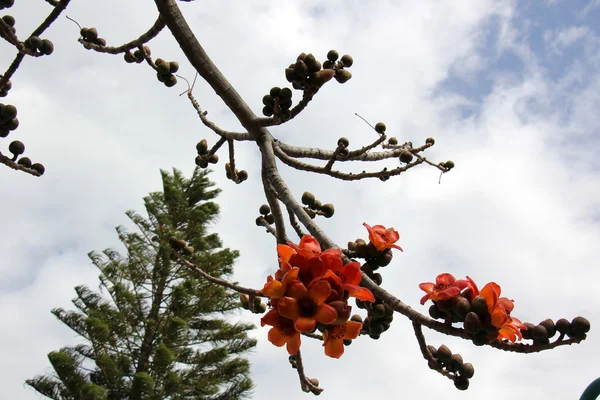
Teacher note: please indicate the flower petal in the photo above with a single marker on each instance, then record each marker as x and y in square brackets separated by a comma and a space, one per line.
[320, 291]
[326, 314]
[303, 324]
[297, 290]
[351, 273]
[271, 318]
[425, 298]
[293, 344]
[285, 252]
[310, 243]
[334, 347]
[360, 293]
[277, 337]
[288, 308]
[273, 289]
[352, 329]
[427, 287]
[445, 279]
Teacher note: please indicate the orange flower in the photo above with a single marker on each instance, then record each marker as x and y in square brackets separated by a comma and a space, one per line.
[306, 307]
[307, 256]
[382, 237]
[445, 287]
[500, 309]
[334, 337]
[349, 276]
[282, 331]
[275, 289]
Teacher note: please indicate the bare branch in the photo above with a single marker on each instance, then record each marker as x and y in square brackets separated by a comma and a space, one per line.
[140, 41]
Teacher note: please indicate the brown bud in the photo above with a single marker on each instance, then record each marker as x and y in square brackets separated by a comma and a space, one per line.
[242, 175]
[479, 306]
[579, 327]
[343, 142]
[342, 75]
[472, 323]
[466, 370]
[189, 250]
[392, 141]
[443, 353]
[449, 164]
[312, 63]
[550, 327]
[213, 159]
[461, 307]
[39, 168]
[385, 258]
[380, 127]
[343, 311]
[300, 68]
[328, 210]
[308, 199]
[406, 156]
[176, 243]
[539, 333]
[435, 312]
[332, 55]
[563, 326]
[356, 318]
[461, 383]
[264, 209]
[430, 141]
[347, 60]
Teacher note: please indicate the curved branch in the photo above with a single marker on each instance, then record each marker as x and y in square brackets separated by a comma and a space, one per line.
[140, 41]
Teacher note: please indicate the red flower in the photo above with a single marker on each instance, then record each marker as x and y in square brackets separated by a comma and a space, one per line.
[382, 237]
[500, 309]
[282, 331]
[307, 256]
[445, 287]
[276, 289]
[306, 307]
[349, 276]
[334, 337]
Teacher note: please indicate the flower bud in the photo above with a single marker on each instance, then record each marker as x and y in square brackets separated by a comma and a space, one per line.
[347, 60]
[539, 333]
[550, 327]
[332, 55]
[308, 199]
[176, 243]
[264, 209]
[343, 311]
[342, 75]
[579, 327]
[466, 370]
[461, 307]
[443, 353]
[430, 141]
[479, 306]
[563, 326]
[461, 383]
[472, 323]
[356, 318]
[380, 127]
[392, 141]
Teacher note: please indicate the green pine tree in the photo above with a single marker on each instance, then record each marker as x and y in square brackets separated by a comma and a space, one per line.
[157, 330]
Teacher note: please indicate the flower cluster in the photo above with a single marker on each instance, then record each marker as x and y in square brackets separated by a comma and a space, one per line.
[310, 291]
[484, 313]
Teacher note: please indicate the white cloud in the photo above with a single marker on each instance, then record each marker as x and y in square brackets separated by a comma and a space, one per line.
[520, 208]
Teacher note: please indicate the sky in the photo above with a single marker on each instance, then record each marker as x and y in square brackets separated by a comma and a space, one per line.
[510, 91]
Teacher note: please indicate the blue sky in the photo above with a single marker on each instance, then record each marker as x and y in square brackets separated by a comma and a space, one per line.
[510, 91]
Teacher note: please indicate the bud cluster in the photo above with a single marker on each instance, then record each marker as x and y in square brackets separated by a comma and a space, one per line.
[137, 56]
[265, 212]
[278, 102]
[460, 371]
[308, 73]
[235, 175]
[40, 46]
[314, 207]
[165, 71]
[203, 158]
[8, 119]
[180, 245]
[90, 35]
[545, 330]
[379, 318]
[258, 307]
